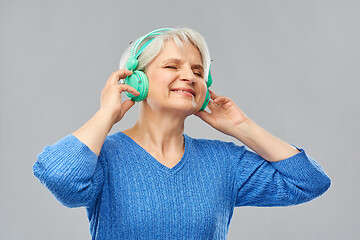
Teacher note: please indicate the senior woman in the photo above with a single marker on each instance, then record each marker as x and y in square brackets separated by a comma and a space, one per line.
[152, 181]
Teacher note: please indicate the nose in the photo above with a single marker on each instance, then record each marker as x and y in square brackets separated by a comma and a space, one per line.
[188, 75]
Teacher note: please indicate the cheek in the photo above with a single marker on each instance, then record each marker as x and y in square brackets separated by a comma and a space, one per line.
[204, 89]
[159, 84]
[160, 79]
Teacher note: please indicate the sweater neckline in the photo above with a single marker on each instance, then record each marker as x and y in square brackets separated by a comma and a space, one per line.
[155, 162]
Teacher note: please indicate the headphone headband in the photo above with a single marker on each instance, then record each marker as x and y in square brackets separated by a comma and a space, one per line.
[157, 32]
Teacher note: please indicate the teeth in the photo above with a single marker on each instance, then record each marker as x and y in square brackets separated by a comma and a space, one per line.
[181, 91]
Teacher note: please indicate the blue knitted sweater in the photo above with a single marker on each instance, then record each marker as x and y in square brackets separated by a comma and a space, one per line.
[128, 194]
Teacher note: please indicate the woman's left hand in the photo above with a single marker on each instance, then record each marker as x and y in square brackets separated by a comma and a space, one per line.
[224, 116]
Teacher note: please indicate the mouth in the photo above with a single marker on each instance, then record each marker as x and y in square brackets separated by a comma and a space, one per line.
[184, 90]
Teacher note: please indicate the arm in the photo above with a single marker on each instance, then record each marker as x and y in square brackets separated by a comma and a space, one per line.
[112, 110]
[291, 181]
[73, 168]
[263, 143]
[286, 175]
[228, 118]
[276, 170]
[71, 172]
[94, 132]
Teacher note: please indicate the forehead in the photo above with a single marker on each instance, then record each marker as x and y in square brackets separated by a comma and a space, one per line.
[185, 52]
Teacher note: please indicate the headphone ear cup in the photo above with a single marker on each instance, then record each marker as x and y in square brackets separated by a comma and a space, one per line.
[140, 82]
[131, 63]
[206, 102]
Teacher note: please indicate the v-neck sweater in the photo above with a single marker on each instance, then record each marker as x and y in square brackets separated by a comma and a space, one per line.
[128, 194]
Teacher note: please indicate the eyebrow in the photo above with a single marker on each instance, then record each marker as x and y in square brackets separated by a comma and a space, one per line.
[176, 60]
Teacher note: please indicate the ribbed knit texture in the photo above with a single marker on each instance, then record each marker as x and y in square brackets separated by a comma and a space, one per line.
[128, 194]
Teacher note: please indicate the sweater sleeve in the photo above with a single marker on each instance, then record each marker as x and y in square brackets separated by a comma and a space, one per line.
[71, 172]
[295, 180]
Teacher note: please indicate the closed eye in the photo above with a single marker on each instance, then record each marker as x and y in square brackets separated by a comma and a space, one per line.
[172, 67]
[198, 74]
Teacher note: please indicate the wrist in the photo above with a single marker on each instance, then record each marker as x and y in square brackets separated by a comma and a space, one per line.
[108, 115]
[245, 130]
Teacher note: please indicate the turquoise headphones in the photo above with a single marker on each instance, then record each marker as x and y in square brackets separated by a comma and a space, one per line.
[139, 80]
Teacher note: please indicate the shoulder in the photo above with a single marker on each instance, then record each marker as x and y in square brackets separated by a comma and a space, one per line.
[116, 138]
[216, 146]
[114, 142]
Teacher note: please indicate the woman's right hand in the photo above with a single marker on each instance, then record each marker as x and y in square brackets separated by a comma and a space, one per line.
[111, 95]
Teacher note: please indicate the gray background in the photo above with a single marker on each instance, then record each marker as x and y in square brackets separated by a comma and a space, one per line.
[291, 66]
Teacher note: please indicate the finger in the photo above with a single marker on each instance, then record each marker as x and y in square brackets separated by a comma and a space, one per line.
[126, 105]
[127, 88]
[212, 106]
[116, 76]
[221, 99]
[213, 95]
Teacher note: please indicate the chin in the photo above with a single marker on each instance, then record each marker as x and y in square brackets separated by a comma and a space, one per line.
[186, 108]
[180, 106]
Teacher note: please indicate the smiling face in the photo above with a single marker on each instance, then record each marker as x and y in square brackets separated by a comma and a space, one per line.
[176, 79]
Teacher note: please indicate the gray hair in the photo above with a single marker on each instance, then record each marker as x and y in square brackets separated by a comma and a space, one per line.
[180, 36]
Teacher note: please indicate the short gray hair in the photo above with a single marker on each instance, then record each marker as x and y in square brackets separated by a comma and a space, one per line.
[180, 36]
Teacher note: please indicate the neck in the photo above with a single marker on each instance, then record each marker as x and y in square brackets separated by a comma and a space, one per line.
[158, 131]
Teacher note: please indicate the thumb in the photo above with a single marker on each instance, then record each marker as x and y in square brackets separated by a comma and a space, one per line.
[126, 105]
